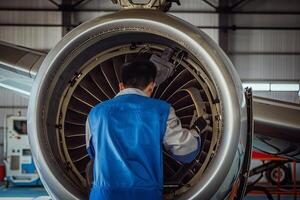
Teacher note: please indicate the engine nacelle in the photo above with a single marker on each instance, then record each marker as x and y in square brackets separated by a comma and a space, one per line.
[84, 69]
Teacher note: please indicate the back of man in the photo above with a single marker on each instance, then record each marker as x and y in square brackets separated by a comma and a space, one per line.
[125, 136]
[128, 132]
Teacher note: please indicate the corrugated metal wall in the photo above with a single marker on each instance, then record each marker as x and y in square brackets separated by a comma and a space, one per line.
[38, 37]
[267, 52]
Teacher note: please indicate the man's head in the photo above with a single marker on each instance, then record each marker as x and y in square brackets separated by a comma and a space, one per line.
[139, 74]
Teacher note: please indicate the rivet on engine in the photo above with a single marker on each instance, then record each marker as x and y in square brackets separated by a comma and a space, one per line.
[59, 126]
[218, 117]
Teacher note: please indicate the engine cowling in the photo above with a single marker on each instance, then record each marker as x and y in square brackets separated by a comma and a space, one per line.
[84, 69]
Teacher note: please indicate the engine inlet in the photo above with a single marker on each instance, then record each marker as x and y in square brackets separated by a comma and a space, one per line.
[84, 70]
[98, 81]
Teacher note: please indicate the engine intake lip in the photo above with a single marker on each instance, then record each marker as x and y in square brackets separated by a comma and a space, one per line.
[49, 80]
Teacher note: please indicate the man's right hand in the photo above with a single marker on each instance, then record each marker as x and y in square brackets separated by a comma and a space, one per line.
[201, 124]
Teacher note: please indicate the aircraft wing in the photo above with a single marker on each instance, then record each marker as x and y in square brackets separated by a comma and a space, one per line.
[18, 67]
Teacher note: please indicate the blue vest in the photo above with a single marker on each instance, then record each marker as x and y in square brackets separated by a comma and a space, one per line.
[127, 134]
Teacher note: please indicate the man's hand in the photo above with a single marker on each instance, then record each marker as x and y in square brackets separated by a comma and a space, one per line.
[201, 124]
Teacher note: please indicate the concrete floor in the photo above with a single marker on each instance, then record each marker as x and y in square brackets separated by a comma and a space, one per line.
[23, 193]
[39, 193]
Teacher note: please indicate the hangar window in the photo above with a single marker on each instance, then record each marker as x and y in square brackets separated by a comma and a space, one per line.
[273, 87]
[257, 86]
[285, 87]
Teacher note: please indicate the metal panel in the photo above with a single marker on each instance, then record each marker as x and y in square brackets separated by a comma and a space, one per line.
[257, 41]
[27, 4]
[267, 67]
[199, 19]
[99, 4]
[266, 20]
[202, 20]
[271, 5]
[9, 98]
[30, 17]
[33, 37]
[194, 5]
[85, 16]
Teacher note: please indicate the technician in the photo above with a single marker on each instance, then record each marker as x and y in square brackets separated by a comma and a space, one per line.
[126, 135]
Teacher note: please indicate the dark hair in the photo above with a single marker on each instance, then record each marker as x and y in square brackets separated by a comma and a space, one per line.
[138, 74]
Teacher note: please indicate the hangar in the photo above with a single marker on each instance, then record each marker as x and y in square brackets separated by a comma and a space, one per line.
[236, 62]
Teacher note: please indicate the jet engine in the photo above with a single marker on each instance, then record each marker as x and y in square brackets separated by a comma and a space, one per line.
[84, 70]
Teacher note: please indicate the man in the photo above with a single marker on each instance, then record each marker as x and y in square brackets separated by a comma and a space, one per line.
[125, 137]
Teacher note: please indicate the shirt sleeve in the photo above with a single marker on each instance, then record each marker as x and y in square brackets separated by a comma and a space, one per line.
[88, 139]
[182, 144]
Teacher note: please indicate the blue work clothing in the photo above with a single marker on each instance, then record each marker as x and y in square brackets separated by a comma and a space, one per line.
[125, 140]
